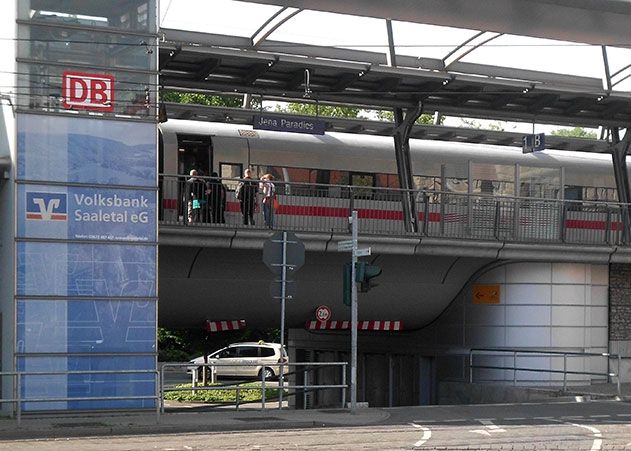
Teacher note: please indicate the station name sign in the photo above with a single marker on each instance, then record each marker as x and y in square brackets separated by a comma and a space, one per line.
[289, 124]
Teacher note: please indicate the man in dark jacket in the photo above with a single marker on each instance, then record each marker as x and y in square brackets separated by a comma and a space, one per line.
[216, 199]
[246, 193]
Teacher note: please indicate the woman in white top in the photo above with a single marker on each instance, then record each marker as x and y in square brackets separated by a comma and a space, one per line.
[269, 190]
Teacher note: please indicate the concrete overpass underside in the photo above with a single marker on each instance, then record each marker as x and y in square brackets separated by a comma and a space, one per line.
[202, 283]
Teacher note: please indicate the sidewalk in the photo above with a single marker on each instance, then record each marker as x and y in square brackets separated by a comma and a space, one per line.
[183, 420]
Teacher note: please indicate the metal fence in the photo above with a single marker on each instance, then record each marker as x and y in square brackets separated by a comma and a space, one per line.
[326, 208]
[511, 359]
[20, 400]
[305, 369]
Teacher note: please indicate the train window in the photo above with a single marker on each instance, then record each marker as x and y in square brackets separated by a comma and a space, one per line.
[230, 171]
[339, 178]
[543, 183]
[493, 179]
[362, 180]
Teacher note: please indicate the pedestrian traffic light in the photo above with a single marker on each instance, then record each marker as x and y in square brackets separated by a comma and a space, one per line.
[364, 273]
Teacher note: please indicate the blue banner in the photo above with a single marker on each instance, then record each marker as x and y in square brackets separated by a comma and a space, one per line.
[60, 269]
[71, 149]
[79, 213]
[141, 384]
[86, 326]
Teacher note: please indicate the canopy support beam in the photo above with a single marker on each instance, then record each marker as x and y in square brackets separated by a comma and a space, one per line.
[619, 151]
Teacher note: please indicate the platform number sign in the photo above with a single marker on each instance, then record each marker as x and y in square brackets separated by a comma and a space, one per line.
[533, 143]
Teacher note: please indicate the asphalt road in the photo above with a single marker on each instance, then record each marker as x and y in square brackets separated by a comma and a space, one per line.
[597, 425]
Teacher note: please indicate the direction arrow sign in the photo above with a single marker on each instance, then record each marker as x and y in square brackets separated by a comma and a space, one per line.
[363, 252]
[346, 245]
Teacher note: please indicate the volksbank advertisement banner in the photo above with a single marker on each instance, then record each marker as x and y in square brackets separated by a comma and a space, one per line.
[62, 149]
[89, 304]
[79, 213]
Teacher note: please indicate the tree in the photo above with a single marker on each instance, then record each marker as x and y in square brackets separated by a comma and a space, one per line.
[424, 119]
[310, 109]
[206, 99]
[576, 132]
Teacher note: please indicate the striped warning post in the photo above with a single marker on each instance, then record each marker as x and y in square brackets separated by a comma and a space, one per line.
[222, 326]
[361, 325]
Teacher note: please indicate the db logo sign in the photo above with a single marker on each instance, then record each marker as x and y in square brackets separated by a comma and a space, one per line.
[88, 91]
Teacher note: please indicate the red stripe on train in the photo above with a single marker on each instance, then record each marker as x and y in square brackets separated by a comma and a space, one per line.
[395, 215]
[591, 224]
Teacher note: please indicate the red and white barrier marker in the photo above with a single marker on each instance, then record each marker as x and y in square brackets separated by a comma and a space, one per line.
[361, 325]
[222, 326]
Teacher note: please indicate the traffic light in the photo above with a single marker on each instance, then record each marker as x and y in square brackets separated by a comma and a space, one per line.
[364, 273]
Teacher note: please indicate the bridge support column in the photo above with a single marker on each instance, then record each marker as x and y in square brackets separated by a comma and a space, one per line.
[404, 165]
[619, 152]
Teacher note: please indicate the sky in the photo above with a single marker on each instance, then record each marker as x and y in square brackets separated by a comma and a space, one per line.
[313, 27]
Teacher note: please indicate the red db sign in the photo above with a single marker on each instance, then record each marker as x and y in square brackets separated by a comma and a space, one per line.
[88, 91]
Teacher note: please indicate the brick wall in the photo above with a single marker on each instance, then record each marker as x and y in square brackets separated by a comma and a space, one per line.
[619, 301]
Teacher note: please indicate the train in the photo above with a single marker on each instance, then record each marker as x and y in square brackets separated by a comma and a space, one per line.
[365, 160]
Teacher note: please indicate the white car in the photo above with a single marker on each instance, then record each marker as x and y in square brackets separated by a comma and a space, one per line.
[263, 357]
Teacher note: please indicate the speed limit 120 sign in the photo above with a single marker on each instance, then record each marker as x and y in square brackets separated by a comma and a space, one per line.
[323, 313]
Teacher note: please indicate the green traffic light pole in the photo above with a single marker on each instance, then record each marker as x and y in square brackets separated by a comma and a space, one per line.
[353, 220]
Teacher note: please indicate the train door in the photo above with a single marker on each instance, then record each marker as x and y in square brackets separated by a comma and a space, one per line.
[193, 152]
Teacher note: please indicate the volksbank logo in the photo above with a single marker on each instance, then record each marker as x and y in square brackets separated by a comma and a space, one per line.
[46, 206]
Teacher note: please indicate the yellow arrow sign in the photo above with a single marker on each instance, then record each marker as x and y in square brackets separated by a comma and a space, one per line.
[486, 294]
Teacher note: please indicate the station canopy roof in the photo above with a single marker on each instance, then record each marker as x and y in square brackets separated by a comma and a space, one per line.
[285, 53]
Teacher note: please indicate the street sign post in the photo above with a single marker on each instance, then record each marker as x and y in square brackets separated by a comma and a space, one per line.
[351, 245]
[281, 253]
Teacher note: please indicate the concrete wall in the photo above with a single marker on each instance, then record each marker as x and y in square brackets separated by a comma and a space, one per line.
[7, 149]
[620, 316]
[550, 306]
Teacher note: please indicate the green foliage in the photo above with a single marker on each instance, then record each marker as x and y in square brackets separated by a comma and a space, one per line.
[310, 109]
[202, 99]
[172, 346]
[576, 132]
[221, 395]
[424, 119]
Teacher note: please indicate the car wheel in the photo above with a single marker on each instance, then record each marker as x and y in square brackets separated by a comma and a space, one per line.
[266, 372]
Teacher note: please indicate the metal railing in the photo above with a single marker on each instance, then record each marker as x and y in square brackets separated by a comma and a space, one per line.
[326, 208]
[292, 389]
[17, 398]
[515, 353]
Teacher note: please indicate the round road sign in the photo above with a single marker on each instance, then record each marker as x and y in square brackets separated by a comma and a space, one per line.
[323, 313]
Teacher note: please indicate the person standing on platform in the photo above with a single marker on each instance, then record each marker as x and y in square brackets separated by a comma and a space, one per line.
[269, 191]
[246, 194]
[195, 188]
[216, 199]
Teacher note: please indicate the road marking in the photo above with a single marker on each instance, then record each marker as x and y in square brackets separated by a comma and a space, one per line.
[598, 441]
[624, 414]
[599, 416]
[427, 434]
[489, 427]
[515, 419]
